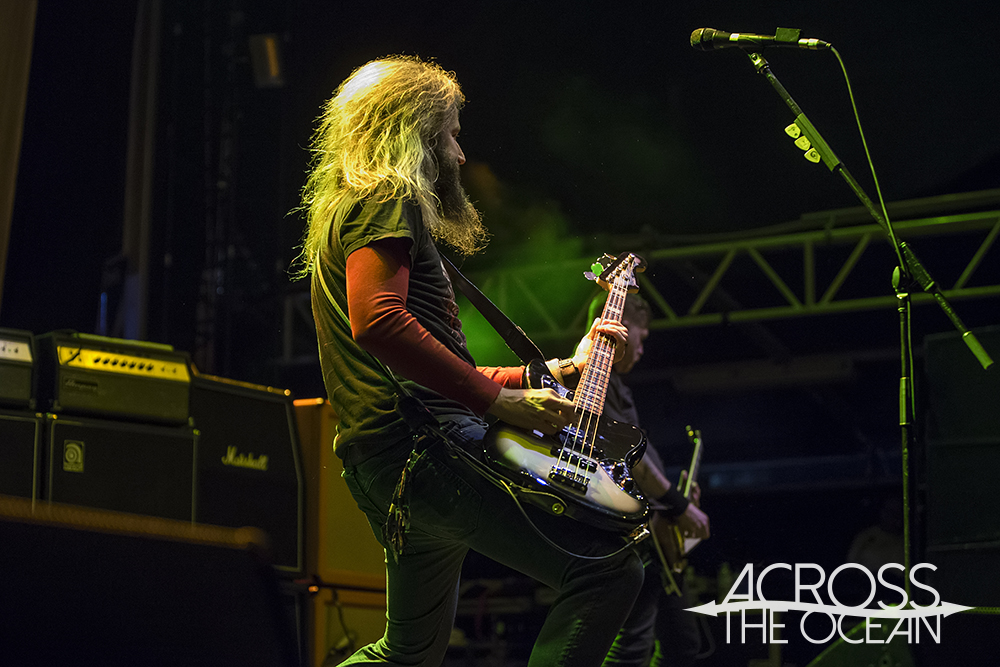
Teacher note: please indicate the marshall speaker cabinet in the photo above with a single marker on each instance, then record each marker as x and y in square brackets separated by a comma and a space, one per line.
[84, 374]
[249, 470]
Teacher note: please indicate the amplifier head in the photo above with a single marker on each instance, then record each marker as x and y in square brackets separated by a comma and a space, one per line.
[17, 368]
[84, 374]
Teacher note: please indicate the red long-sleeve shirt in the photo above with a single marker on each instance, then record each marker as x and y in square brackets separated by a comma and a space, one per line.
[377, 284]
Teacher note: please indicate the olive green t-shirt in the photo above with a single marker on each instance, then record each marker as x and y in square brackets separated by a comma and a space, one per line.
[362, 397]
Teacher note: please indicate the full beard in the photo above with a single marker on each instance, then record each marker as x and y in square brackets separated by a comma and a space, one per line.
[460, 225]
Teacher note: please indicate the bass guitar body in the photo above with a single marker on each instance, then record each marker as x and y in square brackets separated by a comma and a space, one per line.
[582, 472]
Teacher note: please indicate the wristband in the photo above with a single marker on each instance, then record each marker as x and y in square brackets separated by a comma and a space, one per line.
[574, 377]
[568, 363]
[674, 503]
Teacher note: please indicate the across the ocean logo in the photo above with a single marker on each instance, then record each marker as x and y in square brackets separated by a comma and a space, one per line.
[895, 609]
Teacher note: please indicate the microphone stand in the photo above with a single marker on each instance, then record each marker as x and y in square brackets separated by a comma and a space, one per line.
[908, 275]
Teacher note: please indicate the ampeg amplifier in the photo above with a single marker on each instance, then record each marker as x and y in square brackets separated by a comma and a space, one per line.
[85, 374]
[17, 368]
[120, 466]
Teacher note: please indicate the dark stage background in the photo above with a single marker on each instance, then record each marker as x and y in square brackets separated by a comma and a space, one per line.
[602, 117]
[583, 121]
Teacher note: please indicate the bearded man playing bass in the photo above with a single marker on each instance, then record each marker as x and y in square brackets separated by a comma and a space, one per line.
[383, 191]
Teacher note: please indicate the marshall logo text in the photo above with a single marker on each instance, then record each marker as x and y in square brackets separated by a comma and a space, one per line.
[244, 460]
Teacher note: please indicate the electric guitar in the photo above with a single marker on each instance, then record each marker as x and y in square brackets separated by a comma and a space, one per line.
[673, 550]
[584, 470]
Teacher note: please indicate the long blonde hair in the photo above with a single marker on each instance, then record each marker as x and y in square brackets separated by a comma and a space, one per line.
[376, 140]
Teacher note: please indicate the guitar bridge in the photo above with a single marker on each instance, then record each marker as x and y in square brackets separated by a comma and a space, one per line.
[574, 480]
[573, 470]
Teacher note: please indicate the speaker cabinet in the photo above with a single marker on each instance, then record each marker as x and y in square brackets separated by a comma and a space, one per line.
[966, 573]
[854, 651]
[961, 459]
[342, 550]
[249, 470]
[961, 396]
[120, 466]
[960, 507]
[20, 453]
[88, 587]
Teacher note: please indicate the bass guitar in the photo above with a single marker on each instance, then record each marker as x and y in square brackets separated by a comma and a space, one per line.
[584, 470]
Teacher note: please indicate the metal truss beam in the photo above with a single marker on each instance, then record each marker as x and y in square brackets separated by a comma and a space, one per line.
[801, 293]
[751, 280]
[694, 285]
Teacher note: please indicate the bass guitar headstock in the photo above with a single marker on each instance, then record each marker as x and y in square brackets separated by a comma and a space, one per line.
[609, 269]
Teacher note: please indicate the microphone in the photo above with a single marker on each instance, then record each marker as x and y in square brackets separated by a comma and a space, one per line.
[709, 39]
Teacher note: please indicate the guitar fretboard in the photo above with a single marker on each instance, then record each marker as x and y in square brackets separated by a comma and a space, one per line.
[593, 386]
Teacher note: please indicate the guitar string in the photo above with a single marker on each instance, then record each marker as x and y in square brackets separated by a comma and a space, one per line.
[600, 363]
[594, 392]
[605, 352]
[586, 404]
[565, 461]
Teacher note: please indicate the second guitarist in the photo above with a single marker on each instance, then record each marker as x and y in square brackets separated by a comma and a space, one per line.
[658, 631]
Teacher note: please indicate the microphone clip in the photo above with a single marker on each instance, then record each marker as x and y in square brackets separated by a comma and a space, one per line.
[789, 36]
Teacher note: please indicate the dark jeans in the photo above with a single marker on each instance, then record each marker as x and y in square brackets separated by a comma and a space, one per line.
[454, 509]
[659, 632]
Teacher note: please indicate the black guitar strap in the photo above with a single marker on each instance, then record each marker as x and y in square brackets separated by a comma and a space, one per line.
[512, 335]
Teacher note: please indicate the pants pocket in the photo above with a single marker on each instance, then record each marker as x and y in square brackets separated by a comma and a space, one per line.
[372, 492]
[442, 503]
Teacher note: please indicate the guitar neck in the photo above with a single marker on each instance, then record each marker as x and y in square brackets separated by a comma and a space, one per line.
[593, 386]
[695, 438]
